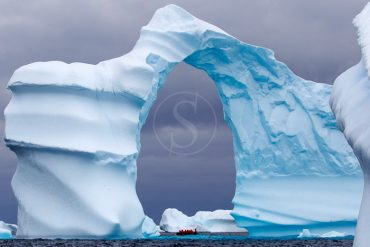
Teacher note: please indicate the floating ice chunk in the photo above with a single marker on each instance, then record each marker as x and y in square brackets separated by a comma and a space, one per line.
[333, 234]
[306, 233]
[174, 220]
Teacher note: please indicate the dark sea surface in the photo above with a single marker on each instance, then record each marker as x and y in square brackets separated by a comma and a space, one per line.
[179, 241]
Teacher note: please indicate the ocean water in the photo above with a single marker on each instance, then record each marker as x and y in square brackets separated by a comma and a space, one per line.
[179, 241]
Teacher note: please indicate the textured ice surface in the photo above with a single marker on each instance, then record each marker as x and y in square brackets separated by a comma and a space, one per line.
[76, 131]
[174, 220]
[350, 102]
[362, 21]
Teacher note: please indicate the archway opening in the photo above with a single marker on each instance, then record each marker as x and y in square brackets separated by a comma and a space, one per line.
[186, 159]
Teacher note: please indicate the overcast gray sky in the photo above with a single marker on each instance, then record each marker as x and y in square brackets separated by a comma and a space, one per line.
[314, 37]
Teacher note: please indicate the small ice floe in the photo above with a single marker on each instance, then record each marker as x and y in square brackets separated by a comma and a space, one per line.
[306, 233]
[333, 234]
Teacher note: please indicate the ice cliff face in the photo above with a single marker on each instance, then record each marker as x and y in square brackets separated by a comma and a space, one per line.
[350, 102]
[76, 131]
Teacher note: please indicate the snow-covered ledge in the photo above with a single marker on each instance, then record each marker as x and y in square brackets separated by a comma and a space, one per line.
[350, 102]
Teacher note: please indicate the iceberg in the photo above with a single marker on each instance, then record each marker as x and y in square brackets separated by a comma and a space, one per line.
[350, 102]
[306, 234]
[75, 129]
[174, 220]
[7, 230]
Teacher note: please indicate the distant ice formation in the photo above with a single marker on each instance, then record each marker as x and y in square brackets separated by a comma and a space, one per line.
[7, 230]
[174, 220]
[332, 234]
[75, 129]
[350, 102]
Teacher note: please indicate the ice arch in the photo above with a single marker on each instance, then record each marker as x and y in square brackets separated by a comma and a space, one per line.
[75, 129]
